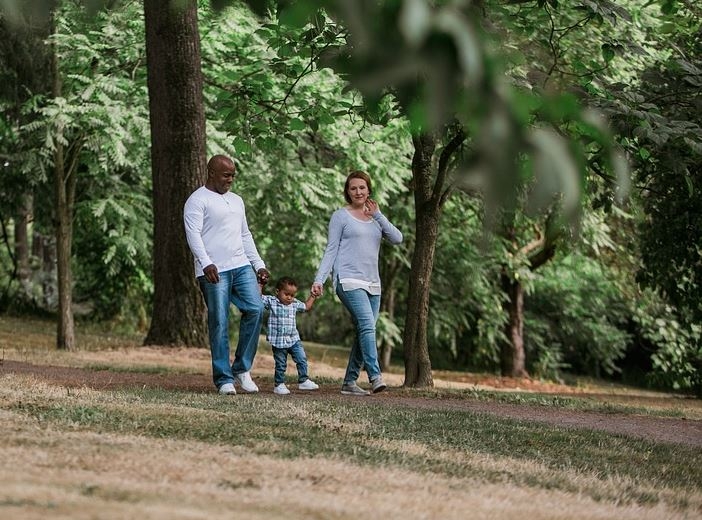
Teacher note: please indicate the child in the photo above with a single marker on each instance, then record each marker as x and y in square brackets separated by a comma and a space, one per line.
[283, 335]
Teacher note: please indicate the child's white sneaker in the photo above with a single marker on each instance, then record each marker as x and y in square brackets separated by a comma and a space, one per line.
[308, 385]
[227, 389]
[281, 389]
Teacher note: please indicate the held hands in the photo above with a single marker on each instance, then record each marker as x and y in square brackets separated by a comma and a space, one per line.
[316, 290]
[262, 275]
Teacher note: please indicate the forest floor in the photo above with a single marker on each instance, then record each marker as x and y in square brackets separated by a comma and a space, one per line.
[686, 429]
[115, 430]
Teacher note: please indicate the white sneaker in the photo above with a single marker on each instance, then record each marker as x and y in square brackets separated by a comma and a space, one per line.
[227, 389]
[246, 383]
[308, 385]
[281, 389]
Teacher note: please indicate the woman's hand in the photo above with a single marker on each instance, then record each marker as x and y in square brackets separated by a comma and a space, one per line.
[370, 207]
[316, 290]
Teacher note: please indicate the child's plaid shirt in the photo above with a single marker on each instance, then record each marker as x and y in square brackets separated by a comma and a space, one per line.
[282, 327]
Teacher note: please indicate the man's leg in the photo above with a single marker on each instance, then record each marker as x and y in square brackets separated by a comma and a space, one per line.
[246, 296]
[217, 300]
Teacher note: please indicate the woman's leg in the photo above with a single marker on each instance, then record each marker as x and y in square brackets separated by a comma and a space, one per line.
[364, 309]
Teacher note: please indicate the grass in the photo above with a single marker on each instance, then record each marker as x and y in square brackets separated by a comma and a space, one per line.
[151, 453]
[448, 443]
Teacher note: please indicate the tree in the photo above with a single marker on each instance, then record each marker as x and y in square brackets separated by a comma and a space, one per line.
[65, 163]
[25, 72]
[428, 62]
[84, 134]
[178, 162]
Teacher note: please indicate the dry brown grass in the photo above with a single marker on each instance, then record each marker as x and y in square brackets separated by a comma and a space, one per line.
[59, 469]
[50, 472]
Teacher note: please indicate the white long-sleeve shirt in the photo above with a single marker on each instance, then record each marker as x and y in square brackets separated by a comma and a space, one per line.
[352, 249]
[217, 231]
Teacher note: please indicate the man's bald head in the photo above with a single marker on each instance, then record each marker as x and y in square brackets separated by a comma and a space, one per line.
[220, 163]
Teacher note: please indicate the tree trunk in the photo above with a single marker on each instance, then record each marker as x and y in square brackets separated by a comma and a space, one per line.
[64, 190]
[24, 216]
[178, 163]
[388, 306]
[414, 339]
[512, 357]
[45, 250]
[417, 362]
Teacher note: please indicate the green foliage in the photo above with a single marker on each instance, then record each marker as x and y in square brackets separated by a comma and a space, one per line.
[677, 360]
[101, 119]
[576, 317]
[466, 317]
[294, 131]
[658, 118]
[297, 128]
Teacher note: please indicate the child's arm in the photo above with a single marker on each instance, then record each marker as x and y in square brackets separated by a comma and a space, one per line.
[309, 302]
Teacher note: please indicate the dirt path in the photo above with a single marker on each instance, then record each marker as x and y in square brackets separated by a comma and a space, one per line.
[657, 429]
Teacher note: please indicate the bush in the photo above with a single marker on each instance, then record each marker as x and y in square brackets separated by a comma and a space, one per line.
[677, 340]
[575, 317]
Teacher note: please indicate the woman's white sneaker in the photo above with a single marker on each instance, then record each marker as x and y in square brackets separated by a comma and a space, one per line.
[308, 384]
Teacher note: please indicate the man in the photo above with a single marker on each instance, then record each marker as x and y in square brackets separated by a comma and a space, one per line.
[225, 252]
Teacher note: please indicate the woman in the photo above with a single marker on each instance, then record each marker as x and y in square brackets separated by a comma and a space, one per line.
[353, 244]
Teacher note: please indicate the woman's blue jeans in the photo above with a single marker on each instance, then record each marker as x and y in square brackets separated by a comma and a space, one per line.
[364, 308]
[237, 286]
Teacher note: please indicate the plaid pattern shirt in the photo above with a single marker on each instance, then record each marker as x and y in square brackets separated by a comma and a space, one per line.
[282, 327]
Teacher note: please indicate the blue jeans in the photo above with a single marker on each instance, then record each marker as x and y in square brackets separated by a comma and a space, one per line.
[297, 353]
[237, 286]
[364, 308]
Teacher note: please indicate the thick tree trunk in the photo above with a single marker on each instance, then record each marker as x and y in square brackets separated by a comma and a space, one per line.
[414, 339]
[512, 356]
[417, 362]
[178, 162]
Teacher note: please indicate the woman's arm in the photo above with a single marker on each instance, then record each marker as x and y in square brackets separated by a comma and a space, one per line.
[334, 233]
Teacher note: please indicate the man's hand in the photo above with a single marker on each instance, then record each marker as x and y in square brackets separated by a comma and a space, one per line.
[211, 273]
[317, 290]
[262, 275]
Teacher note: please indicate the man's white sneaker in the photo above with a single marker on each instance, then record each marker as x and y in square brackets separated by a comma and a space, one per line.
[308, 384]
[246, 383]
[281, 389]
[227, 389]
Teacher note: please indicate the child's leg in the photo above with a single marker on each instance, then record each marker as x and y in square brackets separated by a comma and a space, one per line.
[280, 356]
[297, 353]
